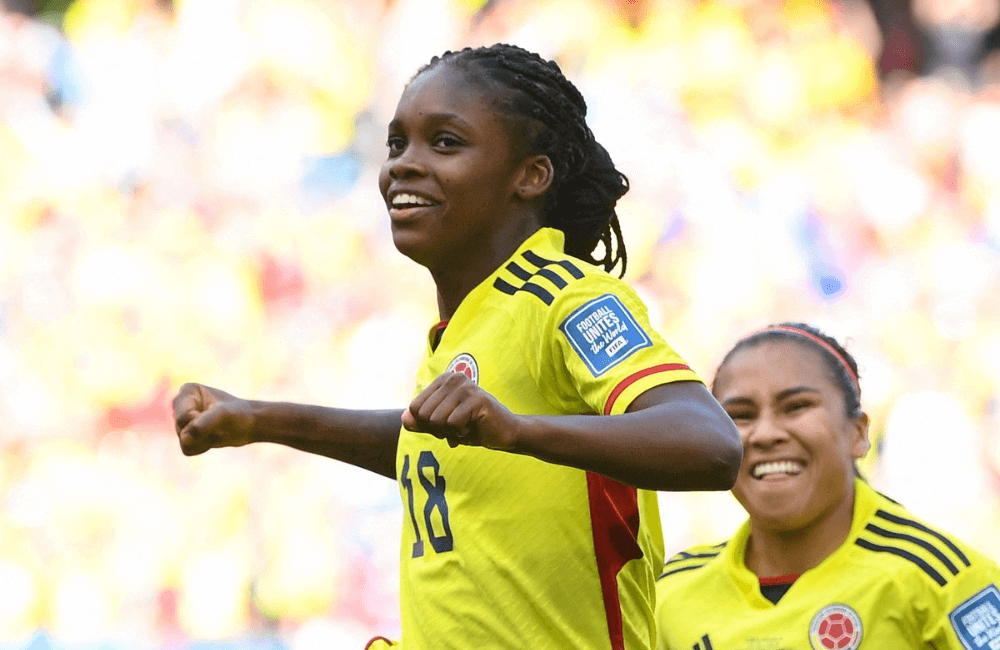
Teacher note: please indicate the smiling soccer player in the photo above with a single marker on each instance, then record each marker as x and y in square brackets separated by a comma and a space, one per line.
[824, 561]
[528, 522]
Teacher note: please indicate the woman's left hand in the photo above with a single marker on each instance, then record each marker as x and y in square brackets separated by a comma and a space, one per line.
[455, 409]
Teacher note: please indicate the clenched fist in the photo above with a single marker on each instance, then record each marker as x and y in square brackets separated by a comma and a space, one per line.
[455, 409]
[207, 417]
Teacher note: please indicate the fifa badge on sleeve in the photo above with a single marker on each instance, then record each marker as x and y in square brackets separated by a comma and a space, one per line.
[603, 333]
[977, 621]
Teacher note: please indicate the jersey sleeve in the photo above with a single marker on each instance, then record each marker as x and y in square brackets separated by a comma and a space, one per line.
[967, 615]
[600, 349]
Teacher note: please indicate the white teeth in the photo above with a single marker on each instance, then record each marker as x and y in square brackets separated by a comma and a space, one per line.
[403, 199]
[777, 467]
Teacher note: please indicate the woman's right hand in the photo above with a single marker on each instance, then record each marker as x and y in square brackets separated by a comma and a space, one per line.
[206, 417]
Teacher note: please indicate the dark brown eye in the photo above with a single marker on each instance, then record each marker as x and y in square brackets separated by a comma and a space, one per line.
[798, 405]
[447, 141]
[395, 145]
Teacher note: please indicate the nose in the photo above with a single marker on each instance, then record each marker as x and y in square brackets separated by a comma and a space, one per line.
[764, 432]
[407, 163]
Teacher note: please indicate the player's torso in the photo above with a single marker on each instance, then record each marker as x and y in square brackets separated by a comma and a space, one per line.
[894, 583]
[832, 614]
[505, 551]
[498, 549]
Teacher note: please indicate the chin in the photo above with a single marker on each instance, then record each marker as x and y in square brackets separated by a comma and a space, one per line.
[777, 514]
[412, 245]
[780, 522]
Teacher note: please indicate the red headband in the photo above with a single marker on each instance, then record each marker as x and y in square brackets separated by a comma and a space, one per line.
[826, 346]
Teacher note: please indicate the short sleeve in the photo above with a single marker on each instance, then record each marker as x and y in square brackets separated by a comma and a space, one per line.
[600, 349]
[969, 616]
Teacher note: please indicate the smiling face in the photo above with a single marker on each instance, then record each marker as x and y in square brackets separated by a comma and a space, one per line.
[799, 443]
[450, 183]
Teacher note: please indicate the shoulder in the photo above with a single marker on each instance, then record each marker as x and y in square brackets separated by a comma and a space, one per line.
[540, 275]
[545, 287]
[689, 563]
[951, 588]
[907, 546]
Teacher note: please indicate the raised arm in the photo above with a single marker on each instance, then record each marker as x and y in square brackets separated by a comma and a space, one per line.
[206, 418]
[673, 437]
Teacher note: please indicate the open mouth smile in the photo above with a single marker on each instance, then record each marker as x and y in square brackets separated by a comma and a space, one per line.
[403, 205]
[776, 469]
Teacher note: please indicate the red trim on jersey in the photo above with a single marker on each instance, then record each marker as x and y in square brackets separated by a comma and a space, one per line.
[434, 336]
[787, 579]
[614, 518]
[379, 638]
[631, 379]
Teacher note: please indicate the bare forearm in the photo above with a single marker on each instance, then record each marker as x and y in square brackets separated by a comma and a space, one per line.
[685, 444]
[367, 439]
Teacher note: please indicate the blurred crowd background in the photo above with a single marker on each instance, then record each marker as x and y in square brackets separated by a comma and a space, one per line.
[188, 193]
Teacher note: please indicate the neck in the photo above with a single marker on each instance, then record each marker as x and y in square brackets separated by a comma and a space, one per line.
[457, 277]
[773, 552]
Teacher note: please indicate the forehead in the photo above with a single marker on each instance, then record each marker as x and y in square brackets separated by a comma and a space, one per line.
[771, 367]
[447, 90]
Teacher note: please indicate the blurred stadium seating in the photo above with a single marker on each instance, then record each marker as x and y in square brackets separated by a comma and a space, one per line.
[187, 193]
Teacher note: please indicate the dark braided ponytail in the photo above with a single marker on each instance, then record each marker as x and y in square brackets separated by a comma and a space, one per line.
[546, 115]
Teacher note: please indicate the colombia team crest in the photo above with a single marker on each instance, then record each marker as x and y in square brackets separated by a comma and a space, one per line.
[835, 627]
[466, 364]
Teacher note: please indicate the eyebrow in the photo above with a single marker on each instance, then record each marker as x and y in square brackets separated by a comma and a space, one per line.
[797, 389]
[788, 392]
[434, 118]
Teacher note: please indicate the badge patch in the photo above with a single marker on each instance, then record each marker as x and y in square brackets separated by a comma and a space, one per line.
[835, 627]
[603, 332]
[466, 364]
[977, 620]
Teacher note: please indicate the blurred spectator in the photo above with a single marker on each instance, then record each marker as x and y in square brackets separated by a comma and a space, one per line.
[924, 36]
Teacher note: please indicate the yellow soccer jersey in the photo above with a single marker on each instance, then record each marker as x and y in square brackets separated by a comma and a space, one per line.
[505, 551]
[895, 584]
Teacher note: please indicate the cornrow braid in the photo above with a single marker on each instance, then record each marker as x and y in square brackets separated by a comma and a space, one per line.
[546, 114]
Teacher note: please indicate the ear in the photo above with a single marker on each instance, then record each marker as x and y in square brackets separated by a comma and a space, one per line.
[534, 177]
[860, 444]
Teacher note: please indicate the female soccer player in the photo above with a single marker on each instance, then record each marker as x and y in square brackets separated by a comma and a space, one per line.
[825, 561]
[528, 522]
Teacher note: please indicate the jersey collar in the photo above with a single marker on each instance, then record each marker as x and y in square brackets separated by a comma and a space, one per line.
[865, 504]
[544, 240]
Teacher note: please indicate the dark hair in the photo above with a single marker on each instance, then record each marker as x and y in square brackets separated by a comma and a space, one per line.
[839, 362]
[547, 112]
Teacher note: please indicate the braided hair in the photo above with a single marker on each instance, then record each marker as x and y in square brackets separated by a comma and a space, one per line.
[839, 363]
[545, 114]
